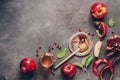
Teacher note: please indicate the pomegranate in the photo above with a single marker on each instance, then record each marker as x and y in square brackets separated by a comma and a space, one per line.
[113, 44]
[101, 28]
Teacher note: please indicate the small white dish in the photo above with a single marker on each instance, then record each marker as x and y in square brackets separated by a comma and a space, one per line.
[84, 53]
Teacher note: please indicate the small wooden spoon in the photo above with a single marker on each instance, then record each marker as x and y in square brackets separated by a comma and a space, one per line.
[67, 58]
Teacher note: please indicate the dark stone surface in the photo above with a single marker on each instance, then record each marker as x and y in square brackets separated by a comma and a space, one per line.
[26, 24]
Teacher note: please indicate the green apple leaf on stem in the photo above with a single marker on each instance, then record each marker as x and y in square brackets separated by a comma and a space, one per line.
[84, 59]
[87, 60]
[78, 64]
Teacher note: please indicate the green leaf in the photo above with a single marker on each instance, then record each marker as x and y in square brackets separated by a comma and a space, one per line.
[84, 60]
[88, 61]
[78, 64]
[61, 53]
[111, 22]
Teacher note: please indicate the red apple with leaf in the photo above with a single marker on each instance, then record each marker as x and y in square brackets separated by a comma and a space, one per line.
[98, 10]
[28, 65]
[68, 70]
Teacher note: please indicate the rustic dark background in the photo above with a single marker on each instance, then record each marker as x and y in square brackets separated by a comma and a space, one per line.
[26, 24]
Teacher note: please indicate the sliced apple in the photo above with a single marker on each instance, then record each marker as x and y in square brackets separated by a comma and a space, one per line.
[97, 48]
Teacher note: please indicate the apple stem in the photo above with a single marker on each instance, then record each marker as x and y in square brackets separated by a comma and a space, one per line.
[84, 69]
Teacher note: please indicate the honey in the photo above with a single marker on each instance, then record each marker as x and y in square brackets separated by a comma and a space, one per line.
[46, 61]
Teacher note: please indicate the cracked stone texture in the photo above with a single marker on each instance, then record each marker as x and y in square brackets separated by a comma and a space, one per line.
[27, 24]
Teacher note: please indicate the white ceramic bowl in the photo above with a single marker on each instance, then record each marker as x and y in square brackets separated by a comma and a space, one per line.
[89, 42]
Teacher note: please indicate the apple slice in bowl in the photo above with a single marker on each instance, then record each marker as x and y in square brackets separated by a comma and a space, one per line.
[80, 40]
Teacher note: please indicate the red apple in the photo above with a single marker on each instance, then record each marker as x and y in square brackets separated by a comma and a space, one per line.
[98, 10]
[68, 70]
[27, 65]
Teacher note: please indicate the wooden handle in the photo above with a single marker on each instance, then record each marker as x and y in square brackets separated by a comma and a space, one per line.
[67, 58]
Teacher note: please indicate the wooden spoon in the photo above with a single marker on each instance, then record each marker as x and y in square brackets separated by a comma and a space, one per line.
[67, 58]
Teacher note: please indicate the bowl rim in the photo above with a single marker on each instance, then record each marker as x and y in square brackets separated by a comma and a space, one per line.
[81, 53]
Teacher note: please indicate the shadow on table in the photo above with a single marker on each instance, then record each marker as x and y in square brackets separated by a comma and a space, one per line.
[66, 78]
[26, 76]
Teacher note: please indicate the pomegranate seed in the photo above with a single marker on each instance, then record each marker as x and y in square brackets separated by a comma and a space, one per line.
[49, 50]
[53, 72]
[52, 47]
[37, 51]
[89, 33]
[58, 46]
[37, 55]
[112, 32]
[92, 34]
[55, 43]
[40, 47]
[82, 36]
